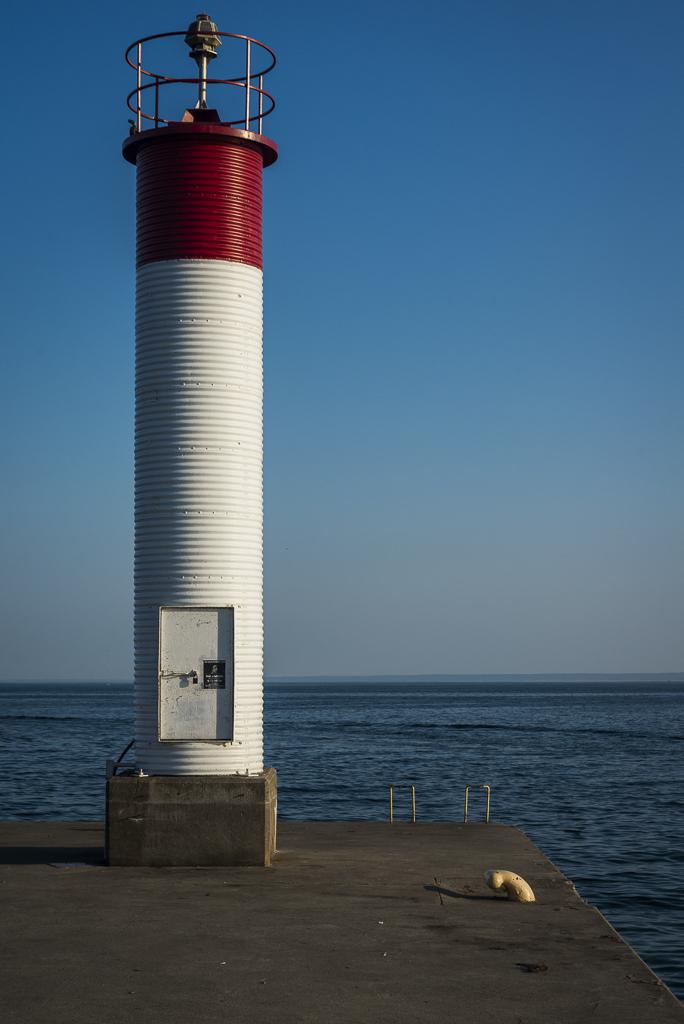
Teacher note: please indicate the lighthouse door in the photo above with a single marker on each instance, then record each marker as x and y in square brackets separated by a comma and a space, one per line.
[196, 674]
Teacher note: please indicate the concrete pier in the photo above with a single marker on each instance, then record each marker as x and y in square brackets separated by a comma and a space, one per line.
[354, 922]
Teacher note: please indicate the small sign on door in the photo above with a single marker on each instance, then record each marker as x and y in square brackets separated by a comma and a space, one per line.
[214, 675]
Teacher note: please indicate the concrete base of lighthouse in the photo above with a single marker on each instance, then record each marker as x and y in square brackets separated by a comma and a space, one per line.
[191, 820]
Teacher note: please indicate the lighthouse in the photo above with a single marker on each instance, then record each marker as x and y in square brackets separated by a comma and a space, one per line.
[201, 794]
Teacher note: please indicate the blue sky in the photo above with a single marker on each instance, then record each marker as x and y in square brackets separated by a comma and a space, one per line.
[473, 338]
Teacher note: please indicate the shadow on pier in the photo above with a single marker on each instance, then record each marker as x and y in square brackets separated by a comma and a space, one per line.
[87, 849]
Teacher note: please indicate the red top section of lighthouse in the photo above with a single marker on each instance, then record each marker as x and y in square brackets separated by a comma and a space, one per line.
[199, 197]
[199, 176]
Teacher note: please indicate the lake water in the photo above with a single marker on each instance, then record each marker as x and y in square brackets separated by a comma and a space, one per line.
[591, 771]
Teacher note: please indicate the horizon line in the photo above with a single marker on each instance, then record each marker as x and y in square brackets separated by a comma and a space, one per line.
[677, 676]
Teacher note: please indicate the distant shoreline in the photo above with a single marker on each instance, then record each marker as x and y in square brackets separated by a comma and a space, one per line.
[475, 678]
[539, 677]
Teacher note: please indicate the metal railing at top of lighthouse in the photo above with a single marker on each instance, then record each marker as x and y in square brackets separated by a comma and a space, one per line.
[258, 102]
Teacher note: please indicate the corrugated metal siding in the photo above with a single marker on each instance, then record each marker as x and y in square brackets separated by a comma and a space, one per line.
[198, 487]
[199, 198]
